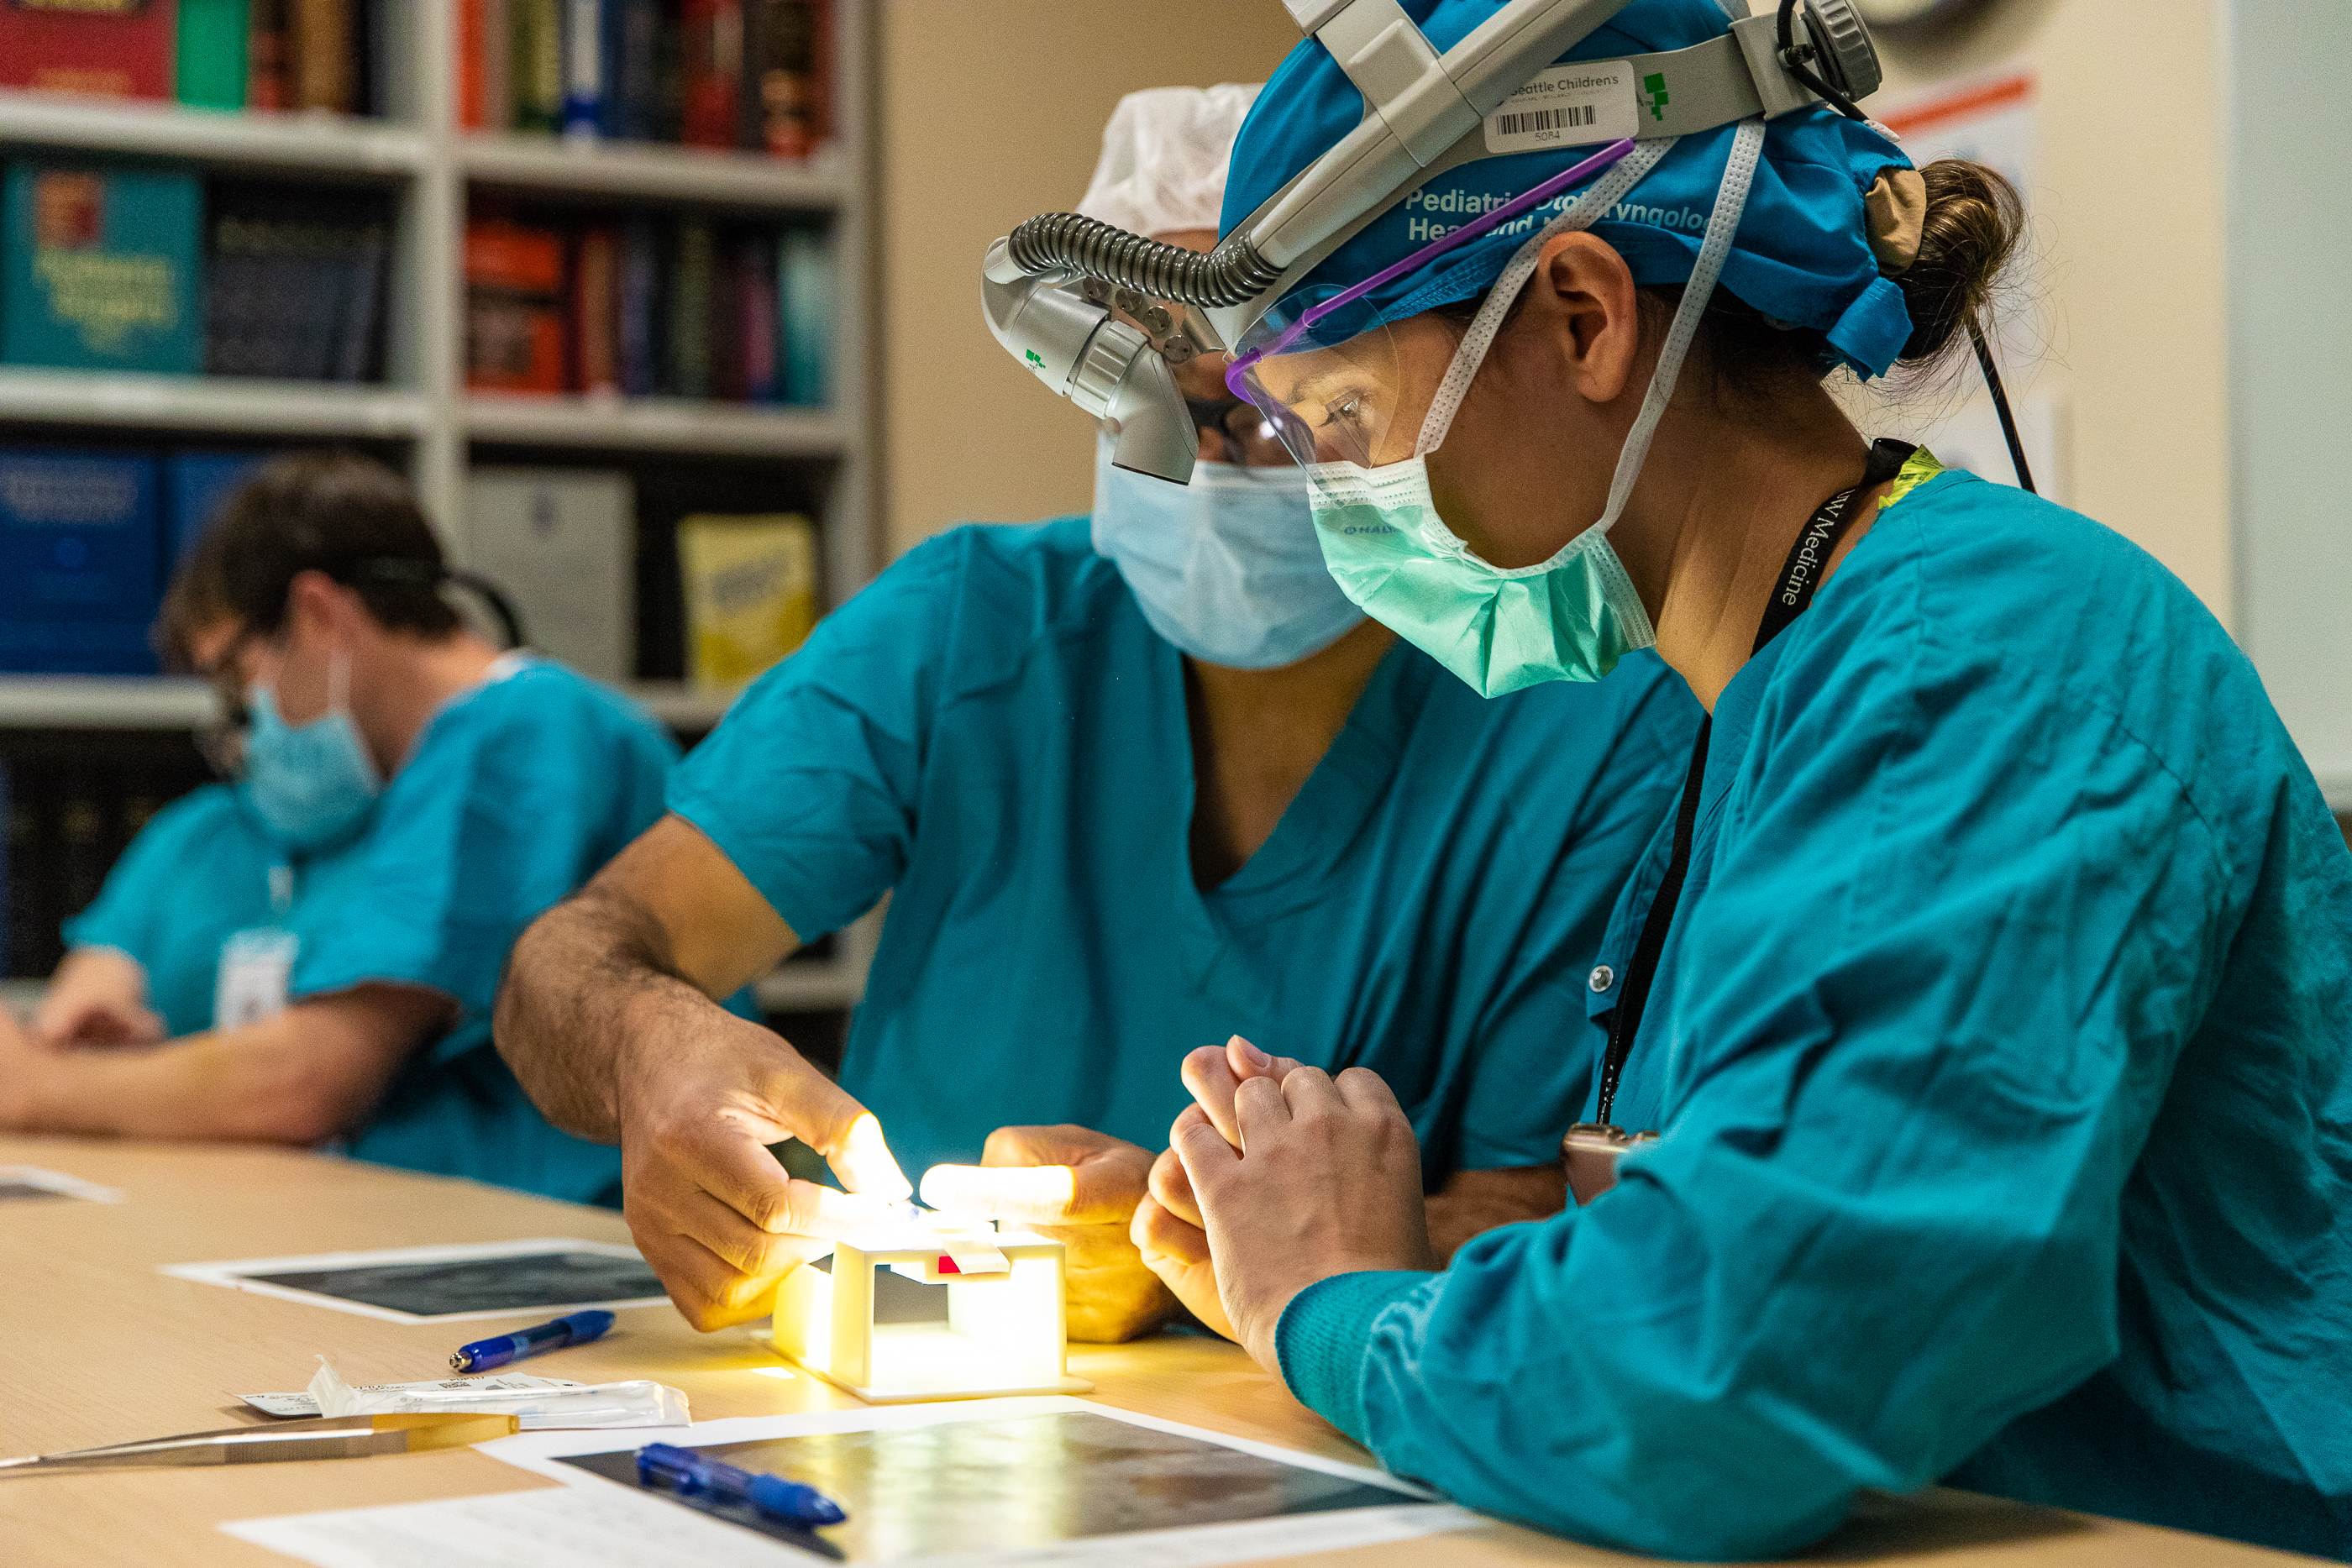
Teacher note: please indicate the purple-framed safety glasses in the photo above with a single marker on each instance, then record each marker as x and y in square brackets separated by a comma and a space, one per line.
[1236, 373]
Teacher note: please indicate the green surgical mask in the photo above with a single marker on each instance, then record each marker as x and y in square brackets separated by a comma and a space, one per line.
[1570, 618]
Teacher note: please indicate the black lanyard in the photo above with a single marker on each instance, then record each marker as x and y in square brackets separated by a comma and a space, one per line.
[1801, 577]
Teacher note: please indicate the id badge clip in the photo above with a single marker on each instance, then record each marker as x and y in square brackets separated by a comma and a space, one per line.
[1590, 1151]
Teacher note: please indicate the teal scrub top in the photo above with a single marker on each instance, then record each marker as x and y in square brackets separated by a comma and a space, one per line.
[515, 793]
[992, 732]
[1999, 1054]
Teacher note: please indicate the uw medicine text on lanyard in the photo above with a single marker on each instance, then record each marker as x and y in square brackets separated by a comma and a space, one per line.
[1591, 1148]
[256, 964]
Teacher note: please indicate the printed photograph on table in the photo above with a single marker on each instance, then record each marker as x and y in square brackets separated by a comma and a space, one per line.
[447, 1284]
[1048, 1479]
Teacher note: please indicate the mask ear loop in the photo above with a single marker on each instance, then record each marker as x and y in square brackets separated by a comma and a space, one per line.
[1722, 224]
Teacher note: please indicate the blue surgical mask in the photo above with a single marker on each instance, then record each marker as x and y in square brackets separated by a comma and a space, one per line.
[313, 784]
[1226, 568]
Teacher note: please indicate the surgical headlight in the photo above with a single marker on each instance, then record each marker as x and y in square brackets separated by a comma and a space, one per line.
[1426, 113]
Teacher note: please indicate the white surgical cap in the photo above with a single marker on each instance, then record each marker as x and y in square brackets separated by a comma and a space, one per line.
[1163, 157]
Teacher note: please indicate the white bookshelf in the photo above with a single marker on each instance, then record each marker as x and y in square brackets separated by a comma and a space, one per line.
[424, 407]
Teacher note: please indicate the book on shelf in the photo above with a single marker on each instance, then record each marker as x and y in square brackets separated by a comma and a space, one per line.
[632, 60]
[754, 313]
[535, 64]
[750, 590]
[322, 44]
[753, 74]
[296, 281]
[636, 305]
[268, 55]
[693, 282]
[584, 68]
[806, 304]
[485, 37]
[561, 543]
[209, 70]
[515, 307]
[80, 551]
[109, 48]
[712, 63]
[99, 267]
[595, 309]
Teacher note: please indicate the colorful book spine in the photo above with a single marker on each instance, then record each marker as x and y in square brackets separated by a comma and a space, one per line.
[514, 307]
[535, 64]
[107, 49]
[267, 56]
[756, 327]
[322, 55]
[712, 72]
[693, 282]
[632, 53]
[595, 314]
[584, 68]
[99, 268]
[806, 315]
[209, 70]
[469, 41]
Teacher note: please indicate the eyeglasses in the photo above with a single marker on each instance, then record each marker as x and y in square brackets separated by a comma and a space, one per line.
[222, 743]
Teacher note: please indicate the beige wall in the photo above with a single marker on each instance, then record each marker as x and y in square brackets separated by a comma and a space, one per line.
[992, 111]
[2129, 213]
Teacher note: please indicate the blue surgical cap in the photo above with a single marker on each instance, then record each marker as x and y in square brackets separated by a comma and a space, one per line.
[1802, 254]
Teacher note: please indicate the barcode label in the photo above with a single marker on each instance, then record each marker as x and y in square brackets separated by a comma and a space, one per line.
[1565, 106]
[1570, 117]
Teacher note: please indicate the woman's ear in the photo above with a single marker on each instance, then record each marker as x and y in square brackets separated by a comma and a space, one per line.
[1582, 299]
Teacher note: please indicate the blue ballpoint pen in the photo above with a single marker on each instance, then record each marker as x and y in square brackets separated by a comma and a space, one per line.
[578, 1328]
[690, 1474]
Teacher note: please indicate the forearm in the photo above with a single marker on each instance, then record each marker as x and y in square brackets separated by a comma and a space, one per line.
[588, 978]
[300, 1078]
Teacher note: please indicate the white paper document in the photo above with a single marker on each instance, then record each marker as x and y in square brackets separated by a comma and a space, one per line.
[1012, 1483]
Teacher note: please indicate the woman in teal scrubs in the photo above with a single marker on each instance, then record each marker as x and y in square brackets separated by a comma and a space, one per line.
[1131, 782]
[310, 955]
[1975, 1036]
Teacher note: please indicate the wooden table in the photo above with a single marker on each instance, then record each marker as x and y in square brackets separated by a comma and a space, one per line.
[96, 1346]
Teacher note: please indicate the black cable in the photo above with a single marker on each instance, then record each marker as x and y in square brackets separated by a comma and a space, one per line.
[2001, 407]
[500, 606]
[1797, 60]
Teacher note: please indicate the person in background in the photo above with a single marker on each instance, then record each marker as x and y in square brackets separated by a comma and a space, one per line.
[1134, 782]
[1977, 1103]
[309, 954]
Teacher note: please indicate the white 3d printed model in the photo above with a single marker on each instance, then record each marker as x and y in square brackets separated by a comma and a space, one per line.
[1004, 1332]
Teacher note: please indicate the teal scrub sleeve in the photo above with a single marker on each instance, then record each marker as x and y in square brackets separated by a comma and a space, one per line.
[809, 785]
[1924, 1012]
[513, 797]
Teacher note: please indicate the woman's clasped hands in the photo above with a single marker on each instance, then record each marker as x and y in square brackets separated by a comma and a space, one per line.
[1276, 1177]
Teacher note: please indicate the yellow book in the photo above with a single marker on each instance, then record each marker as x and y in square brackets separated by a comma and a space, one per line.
[750, 592]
